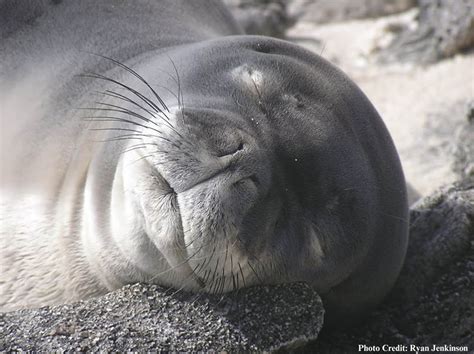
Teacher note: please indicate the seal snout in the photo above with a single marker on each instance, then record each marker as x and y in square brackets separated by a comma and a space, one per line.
[206, 148]
[219, 174]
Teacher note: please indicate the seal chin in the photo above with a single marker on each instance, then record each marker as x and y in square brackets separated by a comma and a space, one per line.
[212, 213]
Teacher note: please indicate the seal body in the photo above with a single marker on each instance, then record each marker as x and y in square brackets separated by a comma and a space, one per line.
[151, 141]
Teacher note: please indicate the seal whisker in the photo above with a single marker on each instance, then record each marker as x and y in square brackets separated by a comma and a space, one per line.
[119, 96]
[170, 142]
[177, 265]
[116, 139]
[168, 90]
[137, 134]
[144, 157]
[117, 119]
[168, 74]
[209, 260]
[133, 148]
[232, 272]
[234, 284]
[138, 76]
[261, 265]
[205, 276]
[117, 129]
[138, 146]
[130, 137]
[207, 244]
[250, 253]
[180, 94]
[406, 221]
[213, 286]
[197, 278]
[207, 273]
[237, 279]
[242, 274]
[254, 272]
[197, 297]
[135, 92]
[127, 99]
[121, 110]
[223, 267]
[144, 136]
[124, 110]
[260, 99]
[215, 269]
[119, 138]
[221, 284]
[285, 267]
[192, 276]
[201, 265]
[194, 239]
[214, 281]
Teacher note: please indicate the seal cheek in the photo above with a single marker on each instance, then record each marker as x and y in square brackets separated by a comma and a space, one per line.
[246, 189]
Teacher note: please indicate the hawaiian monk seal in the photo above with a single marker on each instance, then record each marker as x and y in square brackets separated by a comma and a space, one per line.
[151, 141]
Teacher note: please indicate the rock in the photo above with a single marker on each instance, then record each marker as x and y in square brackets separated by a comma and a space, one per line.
[323, 11]
[440, 151]
[444, 28]
[433, 300]
[263, 17]
[463, 164]
[441, 231]
[432, 156]
[412, 194]
[147, 317]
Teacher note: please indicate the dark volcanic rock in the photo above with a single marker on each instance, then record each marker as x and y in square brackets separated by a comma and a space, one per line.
[441, 232]
[263, 17]
[324, 11]
[147, 317]
[464, 151]
[433, 300]
[445, 27]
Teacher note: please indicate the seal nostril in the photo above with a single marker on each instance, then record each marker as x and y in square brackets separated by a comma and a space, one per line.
[240, 147]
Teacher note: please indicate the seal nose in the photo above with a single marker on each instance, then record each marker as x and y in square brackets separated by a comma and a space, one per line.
[232, 157]
[233, 162]
[210, 150]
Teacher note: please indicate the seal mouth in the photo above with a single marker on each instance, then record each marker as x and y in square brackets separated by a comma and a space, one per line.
[167, 186]
[204, 273]
[169, 191]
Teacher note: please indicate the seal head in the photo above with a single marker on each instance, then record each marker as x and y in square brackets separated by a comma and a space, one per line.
[270, 166]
